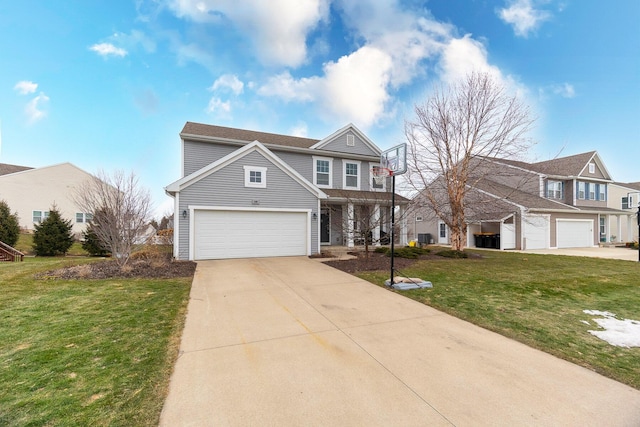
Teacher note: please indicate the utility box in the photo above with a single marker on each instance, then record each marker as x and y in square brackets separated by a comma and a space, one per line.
[424, 238]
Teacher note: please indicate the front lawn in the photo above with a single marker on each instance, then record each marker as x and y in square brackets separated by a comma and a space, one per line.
[538, 300]
[86, 352]
[25, 245]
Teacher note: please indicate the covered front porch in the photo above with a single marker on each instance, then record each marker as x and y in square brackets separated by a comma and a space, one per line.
[362, 221]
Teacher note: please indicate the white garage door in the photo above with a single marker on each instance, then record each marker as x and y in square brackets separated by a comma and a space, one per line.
[222, 234]
[536, 232]
[574, 234]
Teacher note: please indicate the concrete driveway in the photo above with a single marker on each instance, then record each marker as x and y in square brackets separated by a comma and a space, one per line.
[291, 341]
[610, 253]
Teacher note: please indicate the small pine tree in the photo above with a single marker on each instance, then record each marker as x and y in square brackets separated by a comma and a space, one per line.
[53, 236]
[92, 243]
[9, 225]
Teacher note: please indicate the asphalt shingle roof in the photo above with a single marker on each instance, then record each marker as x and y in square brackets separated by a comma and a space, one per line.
[6, 169]
[212, 131]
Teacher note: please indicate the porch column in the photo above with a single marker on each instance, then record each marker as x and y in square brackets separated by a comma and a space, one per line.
[350, 219]
[619, 232]
[403, 226]
[376, 223]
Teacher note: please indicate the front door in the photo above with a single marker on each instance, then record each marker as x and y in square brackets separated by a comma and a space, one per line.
[325, 227]
[442, 233]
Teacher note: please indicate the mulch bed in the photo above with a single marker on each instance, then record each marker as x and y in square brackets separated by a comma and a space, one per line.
[374, 262]
[141, 269]
[380, 262]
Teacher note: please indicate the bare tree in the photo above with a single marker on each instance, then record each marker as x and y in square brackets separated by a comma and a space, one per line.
[451, 133]
[364, 219]
[121, 210]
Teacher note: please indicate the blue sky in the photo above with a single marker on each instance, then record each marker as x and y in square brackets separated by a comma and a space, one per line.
[109, 85]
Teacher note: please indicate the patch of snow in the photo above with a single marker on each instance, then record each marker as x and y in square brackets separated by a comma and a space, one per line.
[620, 333]
[585, 322]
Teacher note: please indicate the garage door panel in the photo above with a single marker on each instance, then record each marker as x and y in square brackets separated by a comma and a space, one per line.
[574, 234]
[222, 234]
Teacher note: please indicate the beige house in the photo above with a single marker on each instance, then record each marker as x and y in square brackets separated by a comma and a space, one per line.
[31, 192]
[625, 196]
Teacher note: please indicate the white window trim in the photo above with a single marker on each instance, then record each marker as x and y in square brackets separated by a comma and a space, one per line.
[592, 168]
[263, 176]
[582, 188]
[384, 183]
[43, 215]
[351, 140]
[344, 174]
[315, 171]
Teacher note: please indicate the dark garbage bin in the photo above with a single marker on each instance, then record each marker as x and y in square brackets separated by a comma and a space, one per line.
[497, 241]
[479, 240]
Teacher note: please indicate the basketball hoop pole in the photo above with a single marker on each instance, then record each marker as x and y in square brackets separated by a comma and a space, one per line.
[393, 221]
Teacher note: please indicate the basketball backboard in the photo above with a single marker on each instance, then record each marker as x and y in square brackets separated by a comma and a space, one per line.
[395, 159]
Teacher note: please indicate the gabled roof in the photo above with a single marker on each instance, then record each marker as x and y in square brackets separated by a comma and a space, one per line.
[570, 166]
[632, 185]
[522, 198]
[6, 169]
[196, 176]
[348, 128]
[242, 135]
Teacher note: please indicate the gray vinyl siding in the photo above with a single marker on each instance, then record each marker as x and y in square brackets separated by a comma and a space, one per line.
[340, 145]
[225, 187]
[200, 154]
[301, 163]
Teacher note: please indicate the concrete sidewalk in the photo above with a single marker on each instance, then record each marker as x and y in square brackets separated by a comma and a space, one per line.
[290, 341]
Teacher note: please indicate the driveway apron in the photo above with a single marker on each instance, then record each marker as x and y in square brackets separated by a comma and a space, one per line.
[291, 341]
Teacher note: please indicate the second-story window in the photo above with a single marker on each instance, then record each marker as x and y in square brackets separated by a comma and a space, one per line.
[322, 172]
[554, 190]
[592, 191]
[351, 175]
[602, 192]
[582, 192]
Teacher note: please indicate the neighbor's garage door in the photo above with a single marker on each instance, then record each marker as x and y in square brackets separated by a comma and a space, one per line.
[536, 231]
[575, 234]
[249, 234]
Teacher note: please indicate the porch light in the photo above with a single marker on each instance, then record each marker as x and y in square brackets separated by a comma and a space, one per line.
[184, 214]
[314, 216]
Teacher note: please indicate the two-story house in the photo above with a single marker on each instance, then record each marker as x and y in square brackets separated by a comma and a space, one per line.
[254, 194]
[31, 192]
[560, 203]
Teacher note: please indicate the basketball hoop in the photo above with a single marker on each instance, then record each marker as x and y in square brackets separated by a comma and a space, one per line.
[380, 174]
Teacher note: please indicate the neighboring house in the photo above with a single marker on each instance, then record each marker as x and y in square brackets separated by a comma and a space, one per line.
[31, 192]
[254, 194]
[625, 196]
[560, 203]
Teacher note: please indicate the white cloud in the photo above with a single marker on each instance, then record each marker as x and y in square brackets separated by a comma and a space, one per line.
[218, 107]
[228, 81]
[565, 90]
[132, 40]
[25, 87]
[34, 108]
[523, 16]
[352, 89]
[300, 130]
[108, 49]
[277, 28]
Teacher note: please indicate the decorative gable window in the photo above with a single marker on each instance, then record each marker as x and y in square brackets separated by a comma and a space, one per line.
[554, 190]
[592, 168]
[255, 176]
[322, 171]
[351, 140]
[351, 175]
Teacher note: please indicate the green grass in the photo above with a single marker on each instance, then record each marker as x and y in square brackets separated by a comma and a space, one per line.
[538, 300]
[25, 245]
[86, 352]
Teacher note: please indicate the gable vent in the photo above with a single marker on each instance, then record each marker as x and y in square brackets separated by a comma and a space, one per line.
[351, 141]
